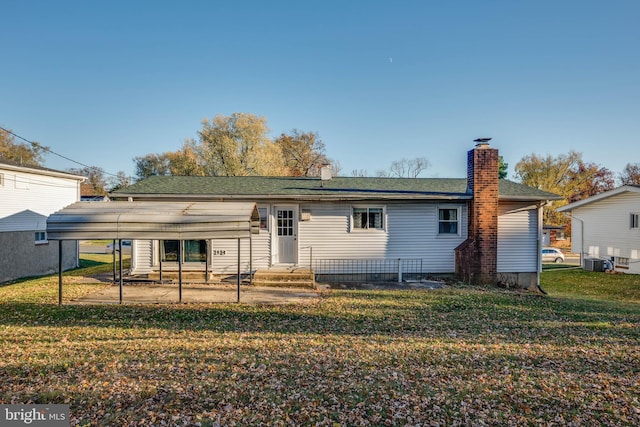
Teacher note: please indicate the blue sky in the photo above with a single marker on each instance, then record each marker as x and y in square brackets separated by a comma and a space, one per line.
[104, 81]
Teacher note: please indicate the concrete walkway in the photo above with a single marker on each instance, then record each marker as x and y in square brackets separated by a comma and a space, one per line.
[196, 293]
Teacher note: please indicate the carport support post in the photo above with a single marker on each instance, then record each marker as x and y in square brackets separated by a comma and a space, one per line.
[206, 262]
[113, 252]
[238, 300]
[120, 267]
[59, 272]
[180, 270]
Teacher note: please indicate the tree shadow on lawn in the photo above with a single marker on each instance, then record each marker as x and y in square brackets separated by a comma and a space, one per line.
[473, 316]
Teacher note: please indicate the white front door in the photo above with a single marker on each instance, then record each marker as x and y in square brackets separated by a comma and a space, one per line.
[286, 234]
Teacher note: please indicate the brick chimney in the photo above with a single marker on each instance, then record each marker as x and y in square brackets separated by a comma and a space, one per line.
[477, 257]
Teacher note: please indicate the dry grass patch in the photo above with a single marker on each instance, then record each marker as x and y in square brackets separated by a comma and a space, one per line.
[445, 357]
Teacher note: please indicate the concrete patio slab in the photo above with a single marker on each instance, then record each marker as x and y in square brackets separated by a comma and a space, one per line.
[195, 293]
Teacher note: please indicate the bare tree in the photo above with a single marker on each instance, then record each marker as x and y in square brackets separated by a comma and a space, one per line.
[408, 168]
[121, 180]
[95, 183]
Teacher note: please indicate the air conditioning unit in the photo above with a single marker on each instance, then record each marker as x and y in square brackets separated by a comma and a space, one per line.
[593, 264]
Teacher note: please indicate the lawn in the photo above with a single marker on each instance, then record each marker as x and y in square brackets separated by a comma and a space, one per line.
[458, 355]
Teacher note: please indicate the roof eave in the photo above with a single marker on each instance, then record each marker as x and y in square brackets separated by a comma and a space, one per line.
[42, 171]
[301, 197]
[527, 198]
[598, 197]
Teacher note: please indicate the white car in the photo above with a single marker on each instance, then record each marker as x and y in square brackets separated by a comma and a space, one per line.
[126, 247]
[552, 255]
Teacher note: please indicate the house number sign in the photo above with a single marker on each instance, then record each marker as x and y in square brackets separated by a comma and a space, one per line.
[219, 252]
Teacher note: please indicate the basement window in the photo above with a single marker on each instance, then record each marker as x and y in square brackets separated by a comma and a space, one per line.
[368, 218]
[449, 221]
[41, 237]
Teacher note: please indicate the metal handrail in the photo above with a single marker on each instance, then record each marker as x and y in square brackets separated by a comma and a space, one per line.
[310, 255]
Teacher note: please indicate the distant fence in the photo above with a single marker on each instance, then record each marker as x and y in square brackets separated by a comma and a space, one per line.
[369, 270]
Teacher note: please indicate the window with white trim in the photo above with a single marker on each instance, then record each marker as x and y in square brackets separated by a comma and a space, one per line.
[368, 217]
[634, 220]
[264, 218]
[40, 237]
[192, 250]
[449, 221]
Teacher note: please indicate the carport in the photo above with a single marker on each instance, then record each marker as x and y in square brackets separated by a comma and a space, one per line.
[153, 221]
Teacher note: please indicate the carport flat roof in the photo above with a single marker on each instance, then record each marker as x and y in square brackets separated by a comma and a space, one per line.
[154, 220]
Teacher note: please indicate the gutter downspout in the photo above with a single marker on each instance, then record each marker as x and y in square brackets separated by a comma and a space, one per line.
[539, 245]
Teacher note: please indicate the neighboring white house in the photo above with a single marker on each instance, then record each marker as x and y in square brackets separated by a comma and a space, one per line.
[607, 226]
[369, 228]
[28, 195]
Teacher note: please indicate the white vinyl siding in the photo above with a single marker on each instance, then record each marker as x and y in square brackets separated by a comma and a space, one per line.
[329, 235]
[142, 256]
[411, 232]
[224, 252]
[415, 233]
[224, 258]
[28, 199]
[607, 231]
[517, 239]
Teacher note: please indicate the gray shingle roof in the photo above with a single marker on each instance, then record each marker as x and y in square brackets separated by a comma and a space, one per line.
[313, 188]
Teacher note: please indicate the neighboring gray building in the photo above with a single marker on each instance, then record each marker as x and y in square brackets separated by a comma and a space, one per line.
[369, 228]
[607, 227]
[28, 195]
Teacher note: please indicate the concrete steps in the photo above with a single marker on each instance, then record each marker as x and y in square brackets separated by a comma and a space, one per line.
[287, 278]
[284, 278]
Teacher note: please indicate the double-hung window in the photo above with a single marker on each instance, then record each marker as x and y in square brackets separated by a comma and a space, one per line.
[368, 218]
[449, 221]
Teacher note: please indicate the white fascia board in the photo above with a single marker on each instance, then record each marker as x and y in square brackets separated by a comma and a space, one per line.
[598, 197]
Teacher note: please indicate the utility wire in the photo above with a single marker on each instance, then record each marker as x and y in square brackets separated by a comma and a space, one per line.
[48, 150]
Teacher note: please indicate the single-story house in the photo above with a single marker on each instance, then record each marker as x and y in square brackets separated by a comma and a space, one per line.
[29, 195]
[607, 227]
[482, 228]
[552, 234]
